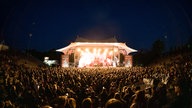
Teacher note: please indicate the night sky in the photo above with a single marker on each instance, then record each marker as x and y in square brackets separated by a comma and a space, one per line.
[53, 24]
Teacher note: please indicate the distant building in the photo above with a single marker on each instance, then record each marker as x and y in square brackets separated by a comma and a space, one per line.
[50, 62]
[3, 47]
[90, 53]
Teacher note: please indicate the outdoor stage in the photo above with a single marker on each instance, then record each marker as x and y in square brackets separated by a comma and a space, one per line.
[89, 53]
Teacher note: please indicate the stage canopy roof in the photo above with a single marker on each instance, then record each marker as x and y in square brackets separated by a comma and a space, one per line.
[111, 42]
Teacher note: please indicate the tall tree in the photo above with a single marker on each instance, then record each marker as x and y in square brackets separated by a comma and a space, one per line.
[158, 48]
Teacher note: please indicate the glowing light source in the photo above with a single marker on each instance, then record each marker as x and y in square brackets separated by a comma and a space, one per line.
[78, 49]
[106, 49]
[110, 53]
[87, 49]
[96, 57]
[99, 49]
[115, 50]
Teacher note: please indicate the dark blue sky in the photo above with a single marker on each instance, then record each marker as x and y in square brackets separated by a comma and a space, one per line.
[56, 23]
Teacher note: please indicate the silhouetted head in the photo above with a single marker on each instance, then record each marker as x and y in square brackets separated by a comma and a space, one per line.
[114, 103]
[87, 103]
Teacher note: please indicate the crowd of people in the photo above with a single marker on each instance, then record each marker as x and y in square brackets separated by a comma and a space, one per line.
[167, 85]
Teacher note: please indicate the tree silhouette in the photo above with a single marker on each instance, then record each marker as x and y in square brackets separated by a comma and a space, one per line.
[158, 48]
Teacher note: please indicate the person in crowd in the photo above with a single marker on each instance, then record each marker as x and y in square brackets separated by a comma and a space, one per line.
[103, 96]
[71, 103]
[87, 103]
[113, 103]
[127, 96]
[118, 96]
[139, 100]
[60, 102]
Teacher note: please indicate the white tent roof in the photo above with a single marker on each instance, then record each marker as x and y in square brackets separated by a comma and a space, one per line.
[79, 44]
